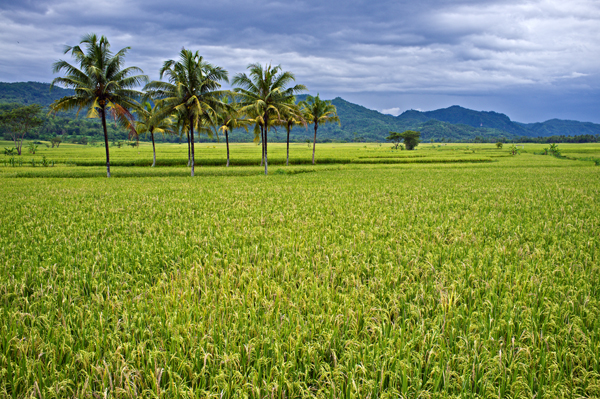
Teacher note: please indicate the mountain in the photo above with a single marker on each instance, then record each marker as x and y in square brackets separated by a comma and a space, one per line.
[457, 115]
[358, 123]
[362, 124]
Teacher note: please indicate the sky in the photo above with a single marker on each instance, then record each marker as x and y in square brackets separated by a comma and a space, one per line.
[533, 60]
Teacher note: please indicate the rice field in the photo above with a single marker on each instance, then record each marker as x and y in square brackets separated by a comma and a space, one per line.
[249, 154]
[453, 278]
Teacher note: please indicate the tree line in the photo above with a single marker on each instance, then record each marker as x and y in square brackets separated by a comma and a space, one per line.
[190, 100]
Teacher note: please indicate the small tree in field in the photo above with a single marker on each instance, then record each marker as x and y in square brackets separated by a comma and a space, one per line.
[411, 139]
[56, 141]
[395, 138]
[499, 145]
[21, 120]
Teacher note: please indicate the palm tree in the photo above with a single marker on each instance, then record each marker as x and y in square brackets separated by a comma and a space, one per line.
[100, 84]
[182, 129]
[265, 94]
[230, 118]
[192, 91]
[292, 116]
[152, 120]
[319, 111]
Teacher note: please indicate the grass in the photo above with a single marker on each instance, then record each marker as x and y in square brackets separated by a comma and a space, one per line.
[353, 280]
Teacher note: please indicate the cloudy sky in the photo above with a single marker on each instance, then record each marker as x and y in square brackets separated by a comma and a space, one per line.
[531, 59]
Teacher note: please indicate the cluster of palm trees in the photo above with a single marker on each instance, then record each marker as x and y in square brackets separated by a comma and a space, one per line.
[189, 101]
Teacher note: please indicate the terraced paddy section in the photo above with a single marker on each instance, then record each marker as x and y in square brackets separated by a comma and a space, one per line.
[249, 154]
[402, 280]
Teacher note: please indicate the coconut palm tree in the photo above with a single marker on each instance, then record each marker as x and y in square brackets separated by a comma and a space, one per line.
[101, 84]
[291, 117]
[192, 91]
[264, 94]
[152, 120]
[319, 111]
[231, 118]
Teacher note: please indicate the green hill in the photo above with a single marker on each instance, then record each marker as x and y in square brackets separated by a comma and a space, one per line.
[31, 92]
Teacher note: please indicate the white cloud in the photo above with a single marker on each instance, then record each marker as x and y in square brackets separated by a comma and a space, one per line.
[392, 111]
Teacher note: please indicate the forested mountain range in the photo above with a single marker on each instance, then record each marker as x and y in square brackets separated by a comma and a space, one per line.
[357, 122]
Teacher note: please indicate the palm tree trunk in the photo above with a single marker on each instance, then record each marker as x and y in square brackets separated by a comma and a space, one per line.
[227, 141]
[193, 160]
[266, 162]
[262, 145]
[287, 160]
[315, 141]
[189, 150]
[103, 112]
[266, 141]
[153, 149]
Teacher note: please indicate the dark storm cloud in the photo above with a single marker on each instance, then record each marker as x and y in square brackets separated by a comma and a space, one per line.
[391, 55]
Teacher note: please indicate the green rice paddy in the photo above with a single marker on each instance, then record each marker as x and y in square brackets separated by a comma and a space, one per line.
[447, 272]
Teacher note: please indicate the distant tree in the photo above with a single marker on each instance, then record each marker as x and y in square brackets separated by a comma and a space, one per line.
[411, 139]
[291, 117]
[55, 141]
[554, 149]
[32, 147]
[100, 84]
[21, 120]
[231, 118]
[152, 120]
[395, 138]
[182, 129]
[499, 145]
[319, 112]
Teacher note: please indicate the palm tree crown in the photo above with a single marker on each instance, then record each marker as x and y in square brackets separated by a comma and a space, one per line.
[100, 83]
[291, 117]
[264, 95]
[152, 120]
[192, 90]
[319, 111]
[231, 118]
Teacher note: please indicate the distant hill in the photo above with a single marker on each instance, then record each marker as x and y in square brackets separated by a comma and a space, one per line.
[358, 123]
[31, 92]
[498, 123]
[557, 127]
